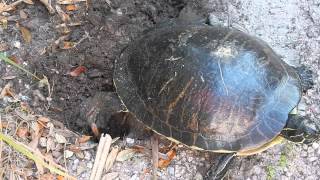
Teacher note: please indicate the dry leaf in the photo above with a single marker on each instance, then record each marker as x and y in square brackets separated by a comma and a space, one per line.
[84, 139]
[74, 148]
[95, 130]
[65, 2]
[165, 163]
[64, 16]
[4, 46]
[15, 59]
[50, 144]
[47, 176]
[4, 7]
[3, 124]
[28, 2]
[26, 34]
[110, 176]
[71, 7]
[23, 14]
[43, 119]
[111, 158]
[22, 132]
[125, 154]
[7, 91]
[60, 139]
[68, 45]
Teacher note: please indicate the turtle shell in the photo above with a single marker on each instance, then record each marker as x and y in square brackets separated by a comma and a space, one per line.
[210, 87]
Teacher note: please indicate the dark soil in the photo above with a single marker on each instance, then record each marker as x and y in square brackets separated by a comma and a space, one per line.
[110, 29]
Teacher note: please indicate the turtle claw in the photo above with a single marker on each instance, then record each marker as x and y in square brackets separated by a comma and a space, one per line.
[217, 172]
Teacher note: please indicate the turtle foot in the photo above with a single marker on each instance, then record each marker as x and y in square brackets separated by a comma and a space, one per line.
[217, 172]
[306, 77]
[98, 109]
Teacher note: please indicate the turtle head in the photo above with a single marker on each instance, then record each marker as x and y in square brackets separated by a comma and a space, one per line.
[301, 130]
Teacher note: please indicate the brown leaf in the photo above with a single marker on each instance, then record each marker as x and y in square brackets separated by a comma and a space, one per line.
[74, 148]
[64, 16]
[77, 71]
[95, 130]
[43, 119]
[84, 139]
[26, 34]
[23, 14]
[15, 59]
[3, 46]
[71, 7]
[3, 124]
[7, 91]
[4, 7]
[165, 163]
[22, 132]
[68, 45]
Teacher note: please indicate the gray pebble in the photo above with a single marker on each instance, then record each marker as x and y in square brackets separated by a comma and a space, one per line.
[198, 176]
[170, 171]
[87, 155]
[315, 145]
[312, 159]
[303, 154]
[89, 165]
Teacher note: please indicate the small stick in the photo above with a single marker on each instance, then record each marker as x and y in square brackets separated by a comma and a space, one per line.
[101, 156]
[155, 155]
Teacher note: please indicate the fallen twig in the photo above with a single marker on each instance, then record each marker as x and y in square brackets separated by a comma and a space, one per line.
[101, 156]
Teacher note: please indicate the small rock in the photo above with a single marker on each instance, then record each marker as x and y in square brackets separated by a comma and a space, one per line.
[310, 150]
[198, 176]
[89, 165]
[43, 142]
[68, 154]
[170, 171]
[311, 159]
[315, 145]
[130, 141]
[87, 155]
[257, 170]
[179, 171]
[303, 154]
[134, 177]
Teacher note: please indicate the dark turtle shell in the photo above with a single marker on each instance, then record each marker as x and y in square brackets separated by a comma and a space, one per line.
[210, 87]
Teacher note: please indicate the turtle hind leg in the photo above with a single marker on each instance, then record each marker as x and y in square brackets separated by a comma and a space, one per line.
[217, 172]
[301, 129]
[306, 77]
[98, 109]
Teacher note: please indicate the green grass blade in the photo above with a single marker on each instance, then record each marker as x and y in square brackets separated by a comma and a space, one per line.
[9, 61]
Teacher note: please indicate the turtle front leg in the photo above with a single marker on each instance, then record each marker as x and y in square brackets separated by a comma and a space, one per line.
[217, 172]
[98, 109]
[306, 77]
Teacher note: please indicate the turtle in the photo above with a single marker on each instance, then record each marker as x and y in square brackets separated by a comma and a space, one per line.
[210, 87]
